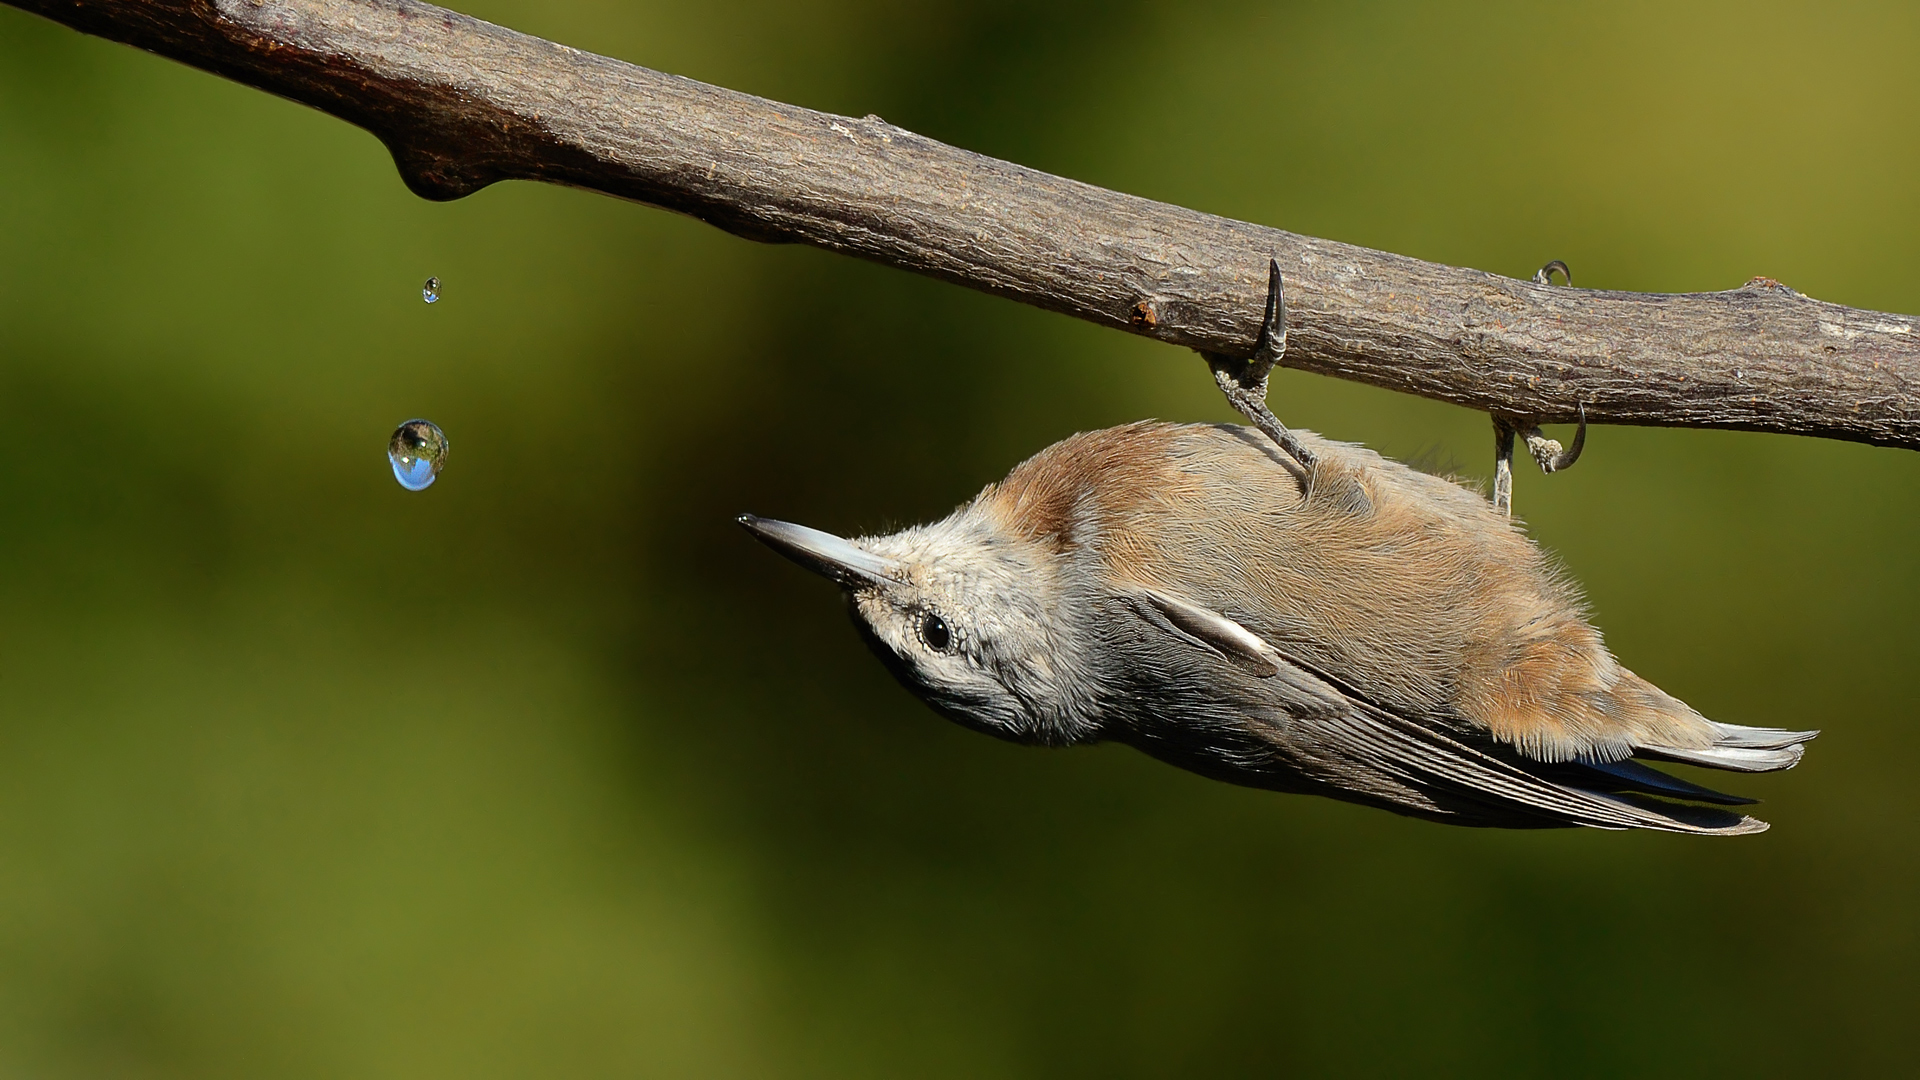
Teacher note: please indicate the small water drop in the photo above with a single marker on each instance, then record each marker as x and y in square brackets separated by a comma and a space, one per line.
[418, 450]
[430, 292]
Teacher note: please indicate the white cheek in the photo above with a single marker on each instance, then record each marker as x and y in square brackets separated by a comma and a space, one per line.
[885, 623]
[903, 641]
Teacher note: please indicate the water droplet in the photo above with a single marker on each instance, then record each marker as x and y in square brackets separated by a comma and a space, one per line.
[430, 292]
[418, 450]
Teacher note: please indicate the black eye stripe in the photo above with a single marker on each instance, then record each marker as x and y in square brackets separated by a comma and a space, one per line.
[935, 632]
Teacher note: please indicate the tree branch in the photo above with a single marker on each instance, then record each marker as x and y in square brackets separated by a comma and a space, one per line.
[462, 103]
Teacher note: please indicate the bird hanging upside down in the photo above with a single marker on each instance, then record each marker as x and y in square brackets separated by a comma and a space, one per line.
[1327, 622]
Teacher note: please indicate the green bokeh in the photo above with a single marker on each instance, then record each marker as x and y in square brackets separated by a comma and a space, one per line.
[550, 771]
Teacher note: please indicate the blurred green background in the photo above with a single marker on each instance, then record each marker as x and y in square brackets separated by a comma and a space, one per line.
[551, 771]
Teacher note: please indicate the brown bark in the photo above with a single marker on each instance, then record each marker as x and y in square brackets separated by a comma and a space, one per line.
[463, 103]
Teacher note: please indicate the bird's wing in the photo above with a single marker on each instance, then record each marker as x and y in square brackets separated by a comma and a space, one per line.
[1331, 732]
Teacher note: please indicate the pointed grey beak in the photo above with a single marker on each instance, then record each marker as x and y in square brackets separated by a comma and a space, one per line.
[823, 553]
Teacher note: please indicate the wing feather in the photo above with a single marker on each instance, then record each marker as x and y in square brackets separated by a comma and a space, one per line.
[1333, 734]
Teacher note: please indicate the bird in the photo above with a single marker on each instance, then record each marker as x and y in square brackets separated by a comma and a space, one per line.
[1329, 622]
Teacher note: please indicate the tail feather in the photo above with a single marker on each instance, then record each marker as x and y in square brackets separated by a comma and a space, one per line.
[1730, 758]
[1758, 738]
[1632, 776]
[1738, 749]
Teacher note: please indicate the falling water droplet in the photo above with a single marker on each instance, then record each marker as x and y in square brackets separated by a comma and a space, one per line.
[430, 292]
[418, 450]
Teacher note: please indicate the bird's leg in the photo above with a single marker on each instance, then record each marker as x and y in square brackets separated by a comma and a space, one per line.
[1546, 452]
[1503, 465]
[1245, 381]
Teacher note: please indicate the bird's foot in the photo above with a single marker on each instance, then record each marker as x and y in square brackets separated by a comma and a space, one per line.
[1244, 382]
[1547, 453]
[1544, 275]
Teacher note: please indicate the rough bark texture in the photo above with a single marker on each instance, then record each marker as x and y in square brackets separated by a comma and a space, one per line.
[463, 103]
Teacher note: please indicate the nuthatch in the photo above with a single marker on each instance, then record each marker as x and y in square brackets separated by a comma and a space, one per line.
[1366, 631]
[1316, 619]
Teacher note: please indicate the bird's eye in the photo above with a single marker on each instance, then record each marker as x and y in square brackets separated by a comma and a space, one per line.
[934, 631]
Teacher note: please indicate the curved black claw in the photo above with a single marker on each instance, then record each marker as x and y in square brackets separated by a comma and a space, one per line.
[1566, 458]
[1544, 275]
[1272, 344]
[1547, 453]
[1244, 382]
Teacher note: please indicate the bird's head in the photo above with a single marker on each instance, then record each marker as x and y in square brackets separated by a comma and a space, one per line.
[973, 618]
